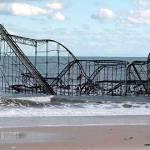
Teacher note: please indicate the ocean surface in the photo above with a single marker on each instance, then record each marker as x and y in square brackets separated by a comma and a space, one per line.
[18, 110]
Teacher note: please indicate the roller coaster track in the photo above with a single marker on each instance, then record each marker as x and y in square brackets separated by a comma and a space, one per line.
[91, 78]
[63, 72]
[24, 59]
[46, 66]
[106, 63]
[133, 65]
[33, 42]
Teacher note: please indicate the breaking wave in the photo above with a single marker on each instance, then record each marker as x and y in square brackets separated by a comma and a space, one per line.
[72, 106]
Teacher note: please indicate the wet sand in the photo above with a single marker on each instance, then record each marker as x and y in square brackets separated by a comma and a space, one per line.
[135, 137]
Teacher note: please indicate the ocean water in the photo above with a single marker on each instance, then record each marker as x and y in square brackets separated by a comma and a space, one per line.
[73, 106]
[17, 110]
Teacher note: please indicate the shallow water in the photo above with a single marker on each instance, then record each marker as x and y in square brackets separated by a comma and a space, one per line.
[13, 122]
[10, 137]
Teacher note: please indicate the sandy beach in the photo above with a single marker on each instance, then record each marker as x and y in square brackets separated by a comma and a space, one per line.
[135, 137]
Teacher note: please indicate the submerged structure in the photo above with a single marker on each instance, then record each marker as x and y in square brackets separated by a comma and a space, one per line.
[48, 67]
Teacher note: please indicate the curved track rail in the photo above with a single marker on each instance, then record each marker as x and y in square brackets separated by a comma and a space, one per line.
[46, 66]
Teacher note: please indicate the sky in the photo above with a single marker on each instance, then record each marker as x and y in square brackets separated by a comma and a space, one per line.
[87, 27]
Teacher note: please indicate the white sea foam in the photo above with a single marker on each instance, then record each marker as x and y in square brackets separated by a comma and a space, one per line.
[76, 110]
[31, 107]
[41, 99]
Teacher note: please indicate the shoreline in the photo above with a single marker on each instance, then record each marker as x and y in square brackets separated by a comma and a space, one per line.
[76, 138]
[12, 122]
[75, 133]
[73, 126]
[64, 126]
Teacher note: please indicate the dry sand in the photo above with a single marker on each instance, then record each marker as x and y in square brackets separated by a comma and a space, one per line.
[76, 138]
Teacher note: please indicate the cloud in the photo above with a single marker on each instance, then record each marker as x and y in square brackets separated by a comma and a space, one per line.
[104, 13]
[55, 5]
[58, 16]
[141, 14]
[21, 9]
[142, 3]
[136, 16]
[139, 17]
[24, 9]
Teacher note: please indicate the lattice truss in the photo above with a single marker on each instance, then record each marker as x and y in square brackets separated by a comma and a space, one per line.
[48, 67]
[137, 78]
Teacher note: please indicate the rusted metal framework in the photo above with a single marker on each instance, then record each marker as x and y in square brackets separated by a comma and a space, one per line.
[48, 67]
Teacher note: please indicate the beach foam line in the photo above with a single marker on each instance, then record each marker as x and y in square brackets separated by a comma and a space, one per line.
[38, 99]
[25, 101]
[77, 125]
[78, 99]
[74, 121]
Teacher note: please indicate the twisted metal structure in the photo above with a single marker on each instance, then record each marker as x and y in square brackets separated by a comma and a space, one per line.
[48, 67]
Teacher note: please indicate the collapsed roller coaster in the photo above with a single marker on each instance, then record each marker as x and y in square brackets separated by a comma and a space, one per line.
[48, 67]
